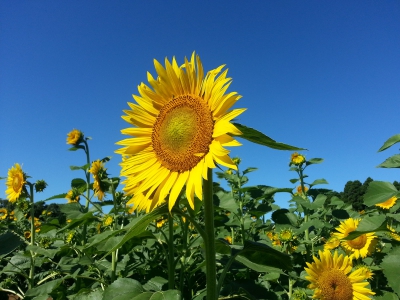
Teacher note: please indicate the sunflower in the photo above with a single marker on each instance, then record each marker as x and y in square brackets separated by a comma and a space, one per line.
[332, 278]
[99, 173]
[3, 213]
[228, 239]
[297, 158]
[360, 246]
[73, 196]
[15, 183]
[74, 137]
[27, 234]
[300, 190]
[286, 235]
[388, 203]
[181, 126]
[107, 221]
[332, 243]
[393, 233]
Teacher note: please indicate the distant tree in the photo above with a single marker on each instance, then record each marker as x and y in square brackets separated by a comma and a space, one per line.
[396, 184]
[353, 193]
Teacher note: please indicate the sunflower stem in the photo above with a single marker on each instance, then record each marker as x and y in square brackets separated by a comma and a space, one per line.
[114, 227]
[86, 208]
[32, 268]
[211, 279]
[171, 260]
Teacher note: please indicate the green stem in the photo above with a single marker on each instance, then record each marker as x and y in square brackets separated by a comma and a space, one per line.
[211, 279]
[114, 253]
[86, 208]
[306, 232]
[225, 271]
[171, 261]
[32, 268]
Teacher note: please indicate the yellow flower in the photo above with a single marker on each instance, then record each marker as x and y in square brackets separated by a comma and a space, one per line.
[27, 234]
[286, 235]
[99, 173]
[367, 272]
[388, 203]
[74, 137]
[332, 243]
[270, 235]
[332, 278]
[73, 196]
[3, 213]
[15, 183]
[160, 223]
[297, 158]
[70, 236]
[300, 190]
[393, 234]
[228, 239]
[108, 220]
[360, 246]
[69, 220]
[12, 216]
[181, 125]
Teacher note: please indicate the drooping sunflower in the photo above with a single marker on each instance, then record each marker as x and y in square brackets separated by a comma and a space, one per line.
[74, 137]
[388, 203]
[332, 243]
[332, 278]
[99, 173]
[73, 196]
[360, 246]
[3, 213]
[181, 126]
[15, 183]
[393, 233]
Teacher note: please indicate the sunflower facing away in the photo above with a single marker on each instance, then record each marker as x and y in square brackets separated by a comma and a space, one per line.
[15, 183]
[360, 246]
[99, 173]
[181, 126]
[388, 203]
[332, 278]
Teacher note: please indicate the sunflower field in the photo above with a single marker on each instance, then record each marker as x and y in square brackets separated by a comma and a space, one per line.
[164, 229]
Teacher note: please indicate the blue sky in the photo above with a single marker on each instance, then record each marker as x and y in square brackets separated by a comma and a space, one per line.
[323, 75]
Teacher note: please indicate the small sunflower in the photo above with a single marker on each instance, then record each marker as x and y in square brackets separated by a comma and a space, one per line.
[286, 235]
[27, 234]
[332, 278]
[300, 190]
[360, 246]
[388, 203]
[297, 158]
[74, 137]
[3, 213]
[99, 173]
[393, 234]
[181, 128]
[367, 272]
[332, 243]
[228, 239]
[108, 220]
[73, 196]
[160, 223]
[12, 216]
[15, 183]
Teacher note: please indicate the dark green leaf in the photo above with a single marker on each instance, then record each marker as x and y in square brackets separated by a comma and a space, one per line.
[44, 289]
[248, 170]
[314, 161]
[340, 214]
[319, 181]
[155, 284]
[59, 196]
[123, 289]
[390, 142]
[9, 242]
[318, 202]
[257, 137]
[226, 201]
[283, 216]
[221, 246]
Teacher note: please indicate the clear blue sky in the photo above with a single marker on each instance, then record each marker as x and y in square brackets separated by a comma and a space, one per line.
[323, 75]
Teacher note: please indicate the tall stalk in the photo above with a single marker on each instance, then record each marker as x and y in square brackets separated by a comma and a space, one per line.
[86, 208]
[211, 279]
[171, 260]
[114, 258]
[32, 268]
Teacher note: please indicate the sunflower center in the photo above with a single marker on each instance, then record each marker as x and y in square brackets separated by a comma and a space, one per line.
[16, 184]
[183, 133]
[335, 285]
[358, 242]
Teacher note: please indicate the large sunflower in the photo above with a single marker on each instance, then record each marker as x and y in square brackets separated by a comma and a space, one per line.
[15, 183]
[360, 246]
[181, 125]
[332, 278]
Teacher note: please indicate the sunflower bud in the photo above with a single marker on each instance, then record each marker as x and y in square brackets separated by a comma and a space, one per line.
[40, 185]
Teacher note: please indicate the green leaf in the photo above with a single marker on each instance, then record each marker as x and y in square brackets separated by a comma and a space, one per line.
[248, 170]
[226, 201]
[222, 247]
[123, 289]
[378, 192]
[78, 183]
[75, 222]
[155, 284]
[45, 252]
[391, 162]
[318, 202]
[390, 142]
[59, 196]
[314, 161]
[316, 223]
[390, 268]
[294, 180]
[84, 167]
[283, 216]
[264, 255]
[387, 296]
[87, 295]
[138, 225]
[99, 238]
[44, 289]
[319, 181]
[367, 225]
[257, 137]
[9, 242]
